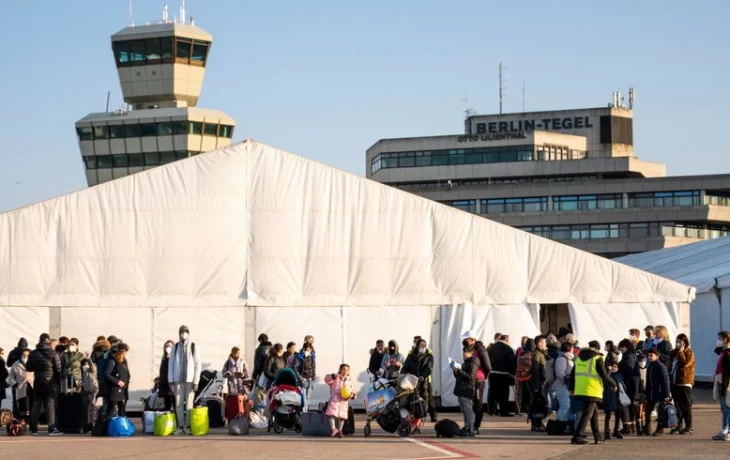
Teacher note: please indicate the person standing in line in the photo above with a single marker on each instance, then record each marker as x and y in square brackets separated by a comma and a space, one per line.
[682, 376]
[235, 370]
[630, 373]
[260, 356]
[73, 409]
[310, 340]
[164, 390]
[587, 381]
[464, 389]
[15, 353]
[721, 383]
[118, 377]
[635, 339]
[491, 401]
[46, 367]
[662, 344]
[289, 354]
[3, 375]
[22, 390]
[392, 362]
[657, 391]
[100, 357]
[612, 403]
[306, 369]
[274, 363]
[483, 369]
[501, 378]
[90, 390]
[420, 363]
[376, 358]
[563, 369]
[649, 342]
[184, 374]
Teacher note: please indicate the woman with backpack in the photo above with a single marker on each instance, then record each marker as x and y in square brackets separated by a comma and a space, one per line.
[118, 377]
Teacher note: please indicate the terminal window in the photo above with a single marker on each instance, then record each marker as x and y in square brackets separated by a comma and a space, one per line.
[504, 154]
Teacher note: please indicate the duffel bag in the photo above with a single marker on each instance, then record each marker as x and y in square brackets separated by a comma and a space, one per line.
[120, 427]
[239, 426]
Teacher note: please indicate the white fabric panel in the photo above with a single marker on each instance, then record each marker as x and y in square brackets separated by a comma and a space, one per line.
[17, 322]
[484, 321]
[613, 321]
[214, 330]
[705, 324]
[184, 234]
[131, 325]
[363, 326]
[290, 324]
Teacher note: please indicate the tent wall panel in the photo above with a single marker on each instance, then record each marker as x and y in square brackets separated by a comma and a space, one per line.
[613, 321]
[705, 320]
[17, 322]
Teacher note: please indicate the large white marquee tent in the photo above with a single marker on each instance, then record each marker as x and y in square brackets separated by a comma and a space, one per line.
[706, 266]
[250, 239]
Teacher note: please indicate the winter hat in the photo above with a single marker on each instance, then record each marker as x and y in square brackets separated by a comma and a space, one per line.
[112, 339]
[22, 343]
[122, 347]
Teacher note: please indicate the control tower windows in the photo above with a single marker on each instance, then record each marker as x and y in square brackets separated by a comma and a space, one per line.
[210, 129]
[116, 131]
[100, 133]
[180, 127]
[183, 50]
[121, 53]
[85, 133]
[164, 128]
[137, 51]
[131, 130]
[196, 127]
[226, 131]
[148, 129]
[200, 52]
[160, 50]
[153, 51]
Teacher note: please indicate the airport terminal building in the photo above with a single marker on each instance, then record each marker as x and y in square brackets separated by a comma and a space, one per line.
[568, 175]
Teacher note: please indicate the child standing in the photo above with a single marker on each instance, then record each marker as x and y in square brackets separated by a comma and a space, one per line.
[641, 394]
[612, 403]
[340, 393]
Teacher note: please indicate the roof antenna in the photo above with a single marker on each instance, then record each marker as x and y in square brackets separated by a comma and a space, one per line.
[131, 16]
[182, 11]
[502, 86]
[524, 97]
[165, 14]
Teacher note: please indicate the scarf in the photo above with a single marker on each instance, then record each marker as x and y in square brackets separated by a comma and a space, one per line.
[119, 357]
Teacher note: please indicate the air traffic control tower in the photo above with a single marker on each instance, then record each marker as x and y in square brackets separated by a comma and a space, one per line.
[161, 68]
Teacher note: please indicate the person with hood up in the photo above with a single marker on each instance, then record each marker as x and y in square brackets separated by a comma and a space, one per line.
[376, 358]
[183, 373]
[658, 390]
[46, 367]
[164, 390]
[260, 356]
[274, 363]
[392, 362]
[420, 363]
[587, 381]
[631, 375]
[22, 390]
[485, 367]
[16, 352]
[235, 370]
[118, 376]
[504, 365]
[305, 366]
[73, 408]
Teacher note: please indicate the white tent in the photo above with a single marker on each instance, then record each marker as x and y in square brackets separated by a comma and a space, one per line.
[251, 239]
[706, 266]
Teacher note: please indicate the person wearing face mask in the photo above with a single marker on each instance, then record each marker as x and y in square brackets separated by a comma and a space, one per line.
[17, 378]
[419, 362]
[376, 358]
[563, 368]
[484, 368]
[662, 344]
[649, 342]
[641, 361]
[73, 404]
[118, 377]
[163, 387]
[90, 389]
[635, 338]
[631, 375]
[392, 362]
[46, 367]
[183, 373]
[305, 367]
[721, 382]
[682, 377]
[15, 353]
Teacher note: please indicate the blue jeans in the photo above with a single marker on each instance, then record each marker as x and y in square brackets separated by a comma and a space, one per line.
[563, 396]
[725, 414]
[307, 393]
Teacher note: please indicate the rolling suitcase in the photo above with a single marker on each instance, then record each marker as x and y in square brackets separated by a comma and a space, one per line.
[73, 413]
[348, 428]
[315, 423]
[215, 412]
[235, 405]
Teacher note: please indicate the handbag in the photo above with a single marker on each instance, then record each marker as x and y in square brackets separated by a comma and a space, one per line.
[623, 397]
[263, 381]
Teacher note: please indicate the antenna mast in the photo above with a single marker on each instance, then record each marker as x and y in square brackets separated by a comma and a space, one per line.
[502, 86]
[182, 11]
[131, 15]
[524, 97]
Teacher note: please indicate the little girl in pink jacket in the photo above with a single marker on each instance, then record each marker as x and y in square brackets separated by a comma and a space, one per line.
[338, 406]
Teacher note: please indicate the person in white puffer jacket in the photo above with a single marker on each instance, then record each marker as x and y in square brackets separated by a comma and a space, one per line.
[183, 373]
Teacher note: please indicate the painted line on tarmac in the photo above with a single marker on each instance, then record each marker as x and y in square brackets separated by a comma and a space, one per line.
[445, 451]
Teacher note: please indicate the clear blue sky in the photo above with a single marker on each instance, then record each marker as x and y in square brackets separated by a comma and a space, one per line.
[326, 79]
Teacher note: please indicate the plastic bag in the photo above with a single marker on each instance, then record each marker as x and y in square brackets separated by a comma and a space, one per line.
[239, 426]
[120, 427]
[199, 421]
[165, 423]
[408, 382]
[258, 421]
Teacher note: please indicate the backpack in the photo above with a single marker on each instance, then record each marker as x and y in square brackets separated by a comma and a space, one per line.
[524, 367]
[101, 364]
[446, 428]
[550, 371]
[668, 415]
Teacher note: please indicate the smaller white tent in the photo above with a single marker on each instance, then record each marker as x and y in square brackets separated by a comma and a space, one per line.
[706, 266]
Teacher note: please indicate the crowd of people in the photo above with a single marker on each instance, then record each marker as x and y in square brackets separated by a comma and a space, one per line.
[629, 381]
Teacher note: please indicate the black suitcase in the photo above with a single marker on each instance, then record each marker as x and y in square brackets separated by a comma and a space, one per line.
[348, 428]
[100, 426]
[73, 413]
[315, 423]
[215, 412]
[558, 428]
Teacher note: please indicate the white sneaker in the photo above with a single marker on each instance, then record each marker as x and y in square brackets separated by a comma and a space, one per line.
[721, 436]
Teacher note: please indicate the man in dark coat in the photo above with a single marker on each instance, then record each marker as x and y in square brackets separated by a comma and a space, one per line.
[376, 357]
[657, 390]
[501, 378]
[46, 367]
[260, 356]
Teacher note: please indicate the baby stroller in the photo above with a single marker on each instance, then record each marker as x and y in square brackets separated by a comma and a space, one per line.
[285, 402]
[395, 405]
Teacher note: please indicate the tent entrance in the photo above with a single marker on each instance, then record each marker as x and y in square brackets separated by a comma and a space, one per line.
[554, 318]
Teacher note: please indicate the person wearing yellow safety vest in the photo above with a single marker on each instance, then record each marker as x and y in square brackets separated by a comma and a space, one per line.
[420, 362]
[587, 380]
